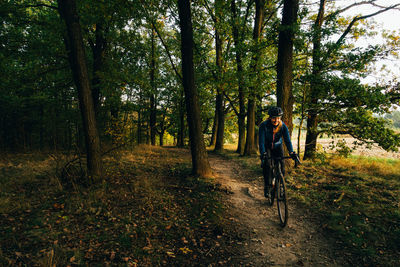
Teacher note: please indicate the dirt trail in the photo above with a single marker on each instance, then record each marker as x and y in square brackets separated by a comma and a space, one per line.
[264, 242]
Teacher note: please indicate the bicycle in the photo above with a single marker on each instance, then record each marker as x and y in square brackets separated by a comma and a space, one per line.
[278, 187]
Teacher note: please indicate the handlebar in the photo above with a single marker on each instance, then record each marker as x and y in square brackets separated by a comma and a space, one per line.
[296, 159]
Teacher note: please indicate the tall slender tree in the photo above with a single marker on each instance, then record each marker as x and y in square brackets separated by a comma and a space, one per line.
[284, 92]
[250, 147]
[76, 49]
[312, 118]
[200, 163]
[237, 40]
[219, 106]
[153, 89]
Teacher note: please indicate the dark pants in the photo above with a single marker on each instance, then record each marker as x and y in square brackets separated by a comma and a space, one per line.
[267, 171]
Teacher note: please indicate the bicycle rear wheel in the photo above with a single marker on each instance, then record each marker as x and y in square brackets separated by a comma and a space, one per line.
[281, 200]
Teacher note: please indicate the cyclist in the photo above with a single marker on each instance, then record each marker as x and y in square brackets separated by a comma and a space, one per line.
[271, 133]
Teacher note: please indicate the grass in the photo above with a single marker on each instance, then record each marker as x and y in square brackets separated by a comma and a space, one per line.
[359, 199]
[150, 211]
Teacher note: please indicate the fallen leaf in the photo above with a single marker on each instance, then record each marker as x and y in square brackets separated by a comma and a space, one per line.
[112, 256]
[171, 254]
[185, 250]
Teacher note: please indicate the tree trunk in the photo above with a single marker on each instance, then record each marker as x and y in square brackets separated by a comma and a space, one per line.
[98, 50]
[239, 65]
[259, 117]
[312, 116]
[161, 135]
[139, 127]
[242, 132]
[219, 144]
[284, 92]
[161, 132]
[68, 12]
[200, 162]
[214, 128]
[162, 127]
[311, 135]
[181, 130]
[153, 111]
[250, 147]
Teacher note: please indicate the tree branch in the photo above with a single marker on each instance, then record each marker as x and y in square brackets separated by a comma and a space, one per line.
[348, 7]
[210, 12]
[167, 51]
[231, 103]
[355, 19]
[152, 21]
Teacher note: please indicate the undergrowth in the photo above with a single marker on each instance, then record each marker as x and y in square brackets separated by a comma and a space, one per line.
[149, 211]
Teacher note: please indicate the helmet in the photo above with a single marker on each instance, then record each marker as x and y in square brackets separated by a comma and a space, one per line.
[275, 112]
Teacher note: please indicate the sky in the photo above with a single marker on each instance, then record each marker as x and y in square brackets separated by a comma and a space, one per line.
[390, 19]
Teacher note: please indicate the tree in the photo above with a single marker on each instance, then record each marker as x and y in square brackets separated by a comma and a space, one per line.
[250, 147]
[219, 106]
[331, 58]
[284, 92]
[312, 123]
[241, 114]
[153, 109]
[200, 162]
[77, 55]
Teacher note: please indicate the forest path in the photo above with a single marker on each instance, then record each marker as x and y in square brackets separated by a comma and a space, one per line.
[263, 242]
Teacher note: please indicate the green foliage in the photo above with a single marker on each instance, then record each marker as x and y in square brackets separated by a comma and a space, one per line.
[342, 149]
[34, 69]
[331, 64]
[394, 118]
[348, 108]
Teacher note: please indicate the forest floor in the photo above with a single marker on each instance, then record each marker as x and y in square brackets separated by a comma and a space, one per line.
[150, 211]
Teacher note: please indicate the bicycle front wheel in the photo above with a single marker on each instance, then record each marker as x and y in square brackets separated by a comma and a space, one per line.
[281, 200]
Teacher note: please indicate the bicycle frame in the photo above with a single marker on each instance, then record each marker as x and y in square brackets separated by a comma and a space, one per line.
[275, 160]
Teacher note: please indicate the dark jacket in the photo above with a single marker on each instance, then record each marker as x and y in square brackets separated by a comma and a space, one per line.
[268, 140]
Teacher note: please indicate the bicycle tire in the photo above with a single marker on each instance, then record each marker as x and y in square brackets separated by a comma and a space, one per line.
[281, 200]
